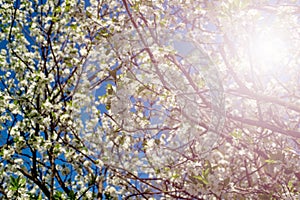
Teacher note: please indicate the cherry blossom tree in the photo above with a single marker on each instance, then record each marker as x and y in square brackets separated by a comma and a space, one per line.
[149, 99]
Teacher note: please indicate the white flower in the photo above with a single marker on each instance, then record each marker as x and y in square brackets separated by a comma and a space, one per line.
[83, 51]
[7, 153]
[65, 171]
[111, 190]
[67, 71]
[8, 74]
[3, 52]
[86, 163]
[100, 163]
[150, 143]
[9, 193]
[58, 167]
[18, 161]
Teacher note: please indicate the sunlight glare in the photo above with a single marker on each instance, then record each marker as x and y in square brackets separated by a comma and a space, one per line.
[268, 50]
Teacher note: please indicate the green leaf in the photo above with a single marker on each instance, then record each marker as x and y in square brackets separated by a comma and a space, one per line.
[175, 176]
[136, 6]
[202, 179]
[206, 172]
[22, 182]
[13, 183]
[105, 158]
[237, 134]
[107, 196]
[157, 170]
[108, 105]
[113, 74]
[88, 14]
[72, 195]
[167, 169]
[16, 183]
[68, 6]
[270, 161]
[122, 140]
[57, 9]
[55, 19]
[104, 33]
[140, 89]
[109, 89]
[290, 185]
[226, 181]
[157, 141]
[73, 27]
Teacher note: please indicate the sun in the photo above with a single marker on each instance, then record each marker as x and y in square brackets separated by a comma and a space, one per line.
[263, 41]
[268, 48]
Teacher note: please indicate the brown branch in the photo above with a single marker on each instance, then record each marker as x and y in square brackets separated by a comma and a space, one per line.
[266, 125]
[152, 57]
[41, 185]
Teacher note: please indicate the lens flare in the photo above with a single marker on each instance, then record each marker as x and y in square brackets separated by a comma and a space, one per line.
[269, 45]
[268, 49]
